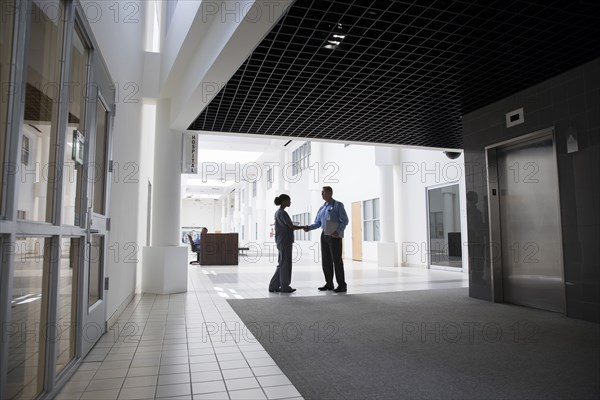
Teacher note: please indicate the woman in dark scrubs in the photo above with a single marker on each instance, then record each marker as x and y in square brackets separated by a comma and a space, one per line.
[284, 238]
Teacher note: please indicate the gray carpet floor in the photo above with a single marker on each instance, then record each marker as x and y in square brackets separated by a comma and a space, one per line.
[437, 344]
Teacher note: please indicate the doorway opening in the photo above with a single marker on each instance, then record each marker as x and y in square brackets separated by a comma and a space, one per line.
[444, 227]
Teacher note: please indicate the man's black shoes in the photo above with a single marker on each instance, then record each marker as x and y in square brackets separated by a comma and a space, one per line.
[290, 290]
[273, 291]
[340, 289]
[323, 288]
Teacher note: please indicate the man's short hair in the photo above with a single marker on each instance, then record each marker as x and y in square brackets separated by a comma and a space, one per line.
[328, 189]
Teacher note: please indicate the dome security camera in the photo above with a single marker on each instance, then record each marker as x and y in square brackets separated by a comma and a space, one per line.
[453, 155]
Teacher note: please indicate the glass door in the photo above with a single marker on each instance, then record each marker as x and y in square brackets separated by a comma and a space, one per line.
[55, 135]
[97, 224]
[444, 230]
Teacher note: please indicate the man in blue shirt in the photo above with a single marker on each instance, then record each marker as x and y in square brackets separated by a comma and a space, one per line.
[332, 218]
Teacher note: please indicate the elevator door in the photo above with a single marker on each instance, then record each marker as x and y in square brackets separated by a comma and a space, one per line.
[532, 269]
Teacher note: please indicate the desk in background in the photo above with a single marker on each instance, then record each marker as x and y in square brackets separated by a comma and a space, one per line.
[219, 249]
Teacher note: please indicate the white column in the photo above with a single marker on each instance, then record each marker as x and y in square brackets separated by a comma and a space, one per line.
[315, 185]
[236, 211]
[246, 211]
[229, 219]
[261, 206]
[398, 209]
[165, 261]
[386, 203]
[279, 172]
[387, 248]
[261, 219]
[223, 214]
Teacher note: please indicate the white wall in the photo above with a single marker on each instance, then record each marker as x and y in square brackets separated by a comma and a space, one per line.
[201, 213]
[129, 187]
[353, 176]
[420, 169]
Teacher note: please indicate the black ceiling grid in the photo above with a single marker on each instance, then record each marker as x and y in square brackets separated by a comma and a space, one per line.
[404, 71]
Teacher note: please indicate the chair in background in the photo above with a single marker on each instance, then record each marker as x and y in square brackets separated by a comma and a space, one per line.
[195, 249]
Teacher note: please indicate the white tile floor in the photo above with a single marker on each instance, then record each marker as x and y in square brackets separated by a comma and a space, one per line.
[192, 345]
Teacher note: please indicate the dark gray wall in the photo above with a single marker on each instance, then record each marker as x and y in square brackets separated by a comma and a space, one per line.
[570, 103]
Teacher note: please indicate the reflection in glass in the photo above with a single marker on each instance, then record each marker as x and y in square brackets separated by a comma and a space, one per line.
[98, 168]
[66, 305]
[28, 305]
[445, 247]
[42, 94]
[74, 136]
[95, 269]
[371, 224]
[7, 17]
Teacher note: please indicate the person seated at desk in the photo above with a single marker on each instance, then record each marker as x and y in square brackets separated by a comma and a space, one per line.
[198, 241]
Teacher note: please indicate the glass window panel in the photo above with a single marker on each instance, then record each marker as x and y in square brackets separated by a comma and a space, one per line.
[75, 138]
[66, 304]
[96, 270]
[6, 37]
[368, 210]
[42, 94]
[376, 236]
[375, 208]
[99, 167]
[28, 305]
[368, 230]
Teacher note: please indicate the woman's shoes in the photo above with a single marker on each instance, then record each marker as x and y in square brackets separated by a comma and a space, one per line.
[290, 290]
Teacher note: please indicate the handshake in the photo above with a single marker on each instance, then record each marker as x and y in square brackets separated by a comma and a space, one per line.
[305, 228]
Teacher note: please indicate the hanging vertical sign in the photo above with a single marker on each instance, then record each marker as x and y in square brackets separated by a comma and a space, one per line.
[189, 159]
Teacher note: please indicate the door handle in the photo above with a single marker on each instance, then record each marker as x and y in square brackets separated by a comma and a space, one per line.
[92, 231]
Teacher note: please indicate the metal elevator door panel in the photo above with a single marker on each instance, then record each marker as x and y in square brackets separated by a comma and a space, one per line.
[532, 268]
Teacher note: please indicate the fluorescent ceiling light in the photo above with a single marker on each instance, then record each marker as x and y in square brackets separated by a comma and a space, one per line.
[228, 156]
[334, 42]
[339, 36]
[203, 196]
[212, 183]
[330, 46]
